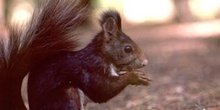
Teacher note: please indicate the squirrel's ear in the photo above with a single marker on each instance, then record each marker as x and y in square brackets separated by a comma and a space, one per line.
[110, 26]
[111, 22]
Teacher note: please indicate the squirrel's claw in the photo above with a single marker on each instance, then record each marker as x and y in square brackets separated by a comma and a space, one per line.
[139, 78]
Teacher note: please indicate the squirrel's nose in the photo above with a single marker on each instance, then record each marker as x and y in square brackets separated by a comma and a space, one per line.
[145, 62]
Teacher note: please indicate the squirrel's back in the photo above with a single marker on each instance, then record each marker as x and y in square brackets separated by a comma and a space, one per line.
[45, 35]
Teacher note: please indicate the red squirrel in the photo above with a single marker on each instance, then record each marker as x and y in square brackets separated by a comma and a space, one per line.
[60, 77]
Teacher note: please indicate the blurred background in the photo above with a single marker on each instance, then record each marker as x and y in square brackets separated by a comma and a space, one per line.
[181, 39]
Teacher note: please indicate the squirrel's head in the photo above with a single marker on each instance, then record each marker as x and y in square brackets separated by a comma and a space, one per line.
[118, 47]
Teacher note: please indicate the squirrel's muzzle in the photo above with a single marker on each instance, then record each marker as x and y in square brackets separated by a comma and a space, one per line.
[144, 62]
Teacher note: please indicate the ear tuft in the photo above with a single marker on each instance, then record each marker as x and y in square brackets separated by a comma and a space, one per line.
[113, 15]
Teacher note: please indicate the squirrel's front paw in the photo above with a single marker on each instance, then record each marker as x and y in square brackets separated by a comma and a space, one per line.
[139, 78]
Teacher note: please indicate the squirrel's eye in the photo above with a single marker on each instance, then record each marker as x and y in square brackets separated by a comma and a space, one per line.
[128, 49]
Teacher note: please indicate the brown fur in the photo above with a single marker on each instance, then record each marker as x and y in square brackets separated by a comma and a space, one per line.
[46, 35]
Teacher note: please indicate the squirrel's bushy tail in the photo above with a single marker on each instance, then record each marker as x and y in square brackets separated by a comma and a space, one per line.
[45, 35]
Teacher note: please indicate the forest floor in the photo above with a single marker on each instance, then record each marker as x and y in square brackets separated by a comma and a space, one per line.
[185, 72]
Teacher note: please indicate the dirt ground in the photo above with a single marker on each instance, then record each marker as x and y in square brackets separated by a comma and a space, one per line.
[185, 73]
